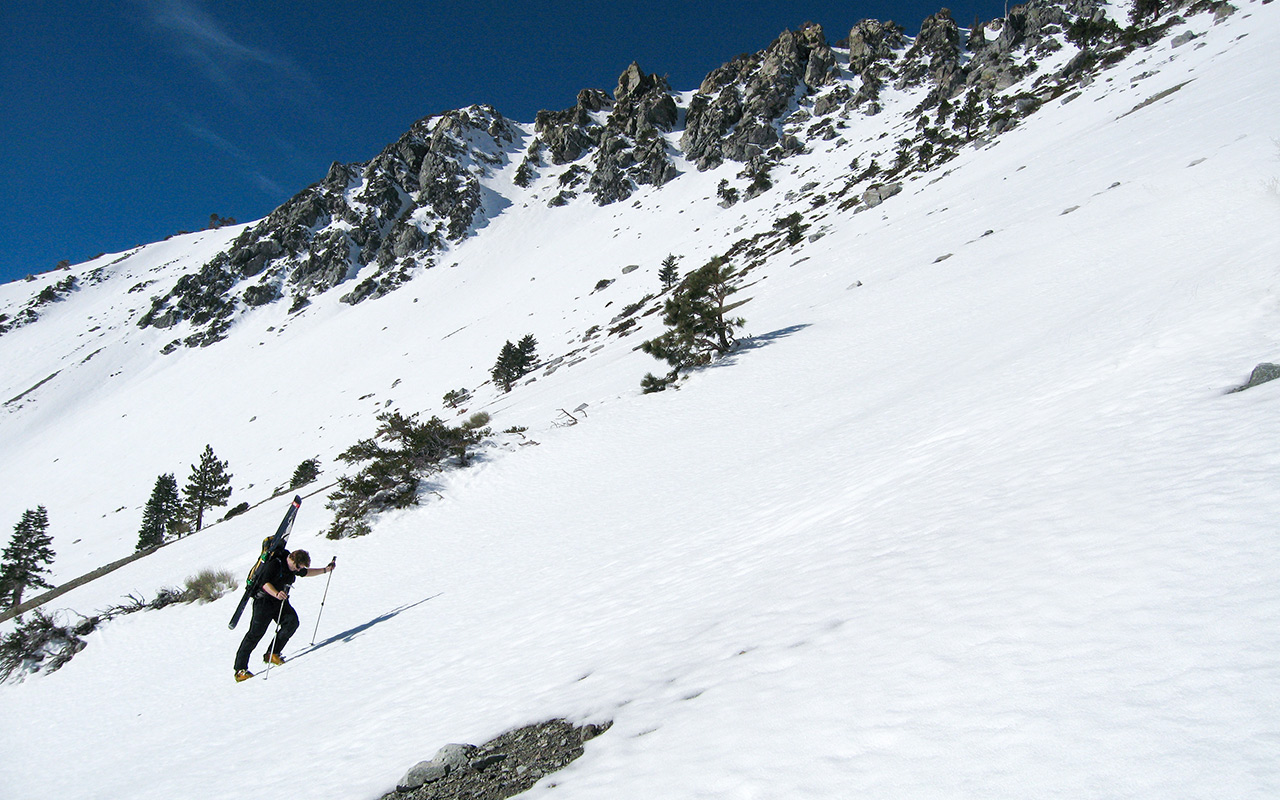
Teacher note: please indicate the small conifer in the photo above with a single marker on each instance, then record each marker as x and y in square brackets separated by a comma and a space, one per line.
[26, 560]
[163, 513]
[669, 274]
[305, 473]
[209, 486]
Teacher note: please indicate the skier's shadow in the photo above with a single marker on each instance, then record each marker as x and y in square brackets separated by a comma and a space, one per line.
[348, 635]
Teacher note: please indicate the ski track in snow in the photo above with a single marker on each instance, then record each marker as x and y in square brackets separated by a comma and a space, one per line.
[979, 527]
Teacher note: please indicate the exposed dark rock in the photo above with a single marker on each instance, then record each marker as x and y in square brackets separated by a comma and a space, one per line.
[735, 113]
[258, 295]
[1261, 374]
[935, 55]
[52, 293]
[632, 151]
[498, 769]
[570, 133]
[418, 193]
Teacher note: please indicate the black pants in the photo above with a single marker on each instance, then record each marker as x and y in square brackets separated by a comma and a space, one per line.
[265, 610]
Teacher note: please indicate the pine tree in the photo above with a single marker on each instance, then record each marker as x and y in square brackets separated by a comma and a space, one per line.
[506, 370]
[162, 515]
[401, 453]
[527, 347]
[696, 317]
[969, 116]
[669, 274]
[209, 486]
[306, 472]
[27, 558]
[1145, 11]
[514, 362]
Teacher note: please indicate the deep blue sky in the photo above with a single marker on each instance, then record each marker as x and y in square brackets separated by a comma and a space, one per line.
[127, 120]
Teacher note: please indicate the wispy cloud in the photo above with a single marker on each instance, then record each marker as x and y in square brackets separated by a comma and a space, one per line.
[203, 133]
[233, 65]
[247, 76]
[249, 167]
[269, 187]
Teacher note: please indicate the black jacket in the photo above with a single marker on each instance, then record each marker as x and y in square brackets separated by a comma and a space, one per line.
[276, 572]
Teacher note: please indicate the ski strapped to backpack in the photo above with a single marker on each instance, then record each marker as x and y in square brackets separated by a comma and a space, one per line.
[271, 547]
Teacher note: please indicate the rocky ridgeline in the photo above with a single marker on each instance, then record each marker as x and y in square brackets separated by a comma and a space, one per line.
[393, 212]
[620, 138]
[425, 190]
[734, 115]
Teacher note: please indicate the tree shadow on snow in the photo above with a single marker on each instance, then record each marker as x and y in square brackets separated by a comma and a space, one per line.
[353, 633]
[756, 342]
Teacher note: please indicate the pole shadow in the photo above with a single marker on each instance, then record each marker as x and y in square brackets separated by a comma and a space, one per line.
[352, 633]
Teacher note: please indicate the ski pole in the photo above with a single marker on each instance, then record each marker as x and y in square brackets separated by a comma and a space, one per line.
[274, 637]
[334, 562]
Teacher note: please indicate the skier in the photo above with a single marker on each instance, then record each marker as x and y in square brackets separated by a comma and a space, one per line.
[272, 603]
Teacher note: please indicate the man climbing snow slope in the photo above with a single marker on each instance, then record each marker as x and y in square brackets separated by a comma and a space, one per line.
[272, 603]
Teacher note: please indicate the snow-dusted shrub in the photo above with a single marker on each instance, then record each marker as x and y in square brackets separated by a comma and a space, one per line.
[37, 643]
[208, 585]
[393, 462]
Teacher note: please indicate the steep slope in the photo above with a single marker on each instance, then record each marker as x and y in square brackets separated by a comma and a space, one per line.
[969, 514]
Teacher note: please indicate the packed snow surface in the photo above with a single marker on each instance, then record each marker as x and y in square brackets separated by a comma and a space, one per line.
[970, 514]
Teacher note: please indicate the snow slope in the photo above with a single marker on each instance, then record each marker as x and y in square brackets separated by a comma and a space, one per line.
[982, 525]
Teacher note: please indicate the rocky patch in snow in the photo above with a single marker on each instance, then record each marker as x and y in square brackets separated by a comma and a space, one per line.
[500, 768]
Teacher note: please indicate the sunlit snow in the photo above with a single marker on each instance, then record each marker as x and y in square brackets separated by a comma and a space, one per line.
[970, 514]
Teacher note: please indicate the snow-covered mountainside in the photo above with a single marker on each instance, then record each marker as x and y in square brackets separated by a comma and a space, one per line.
[968, 512]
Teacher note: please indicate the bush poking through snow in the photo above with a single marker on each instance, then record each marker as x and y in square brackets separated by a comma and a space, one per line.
[394, 461]
[42, 644]
[208, 585]
[37, 643]
[235, 511]
[456, 397]
[651, 383]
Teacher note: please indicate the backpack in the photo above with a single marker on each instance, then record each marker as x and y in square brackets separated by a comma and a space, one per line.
[272, 547]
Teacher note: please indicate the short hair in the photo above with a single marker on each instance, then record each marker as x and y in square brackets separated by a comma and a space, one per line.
[302, 558]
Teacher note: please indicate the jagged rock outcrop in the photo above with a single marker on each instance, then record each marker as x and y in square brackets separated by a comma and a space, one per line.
[934, 56]
[567, 134]
[872, 51]
[393, 212]
[735, 113]
[1030, 27]
[632, 150]
[626, 145]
